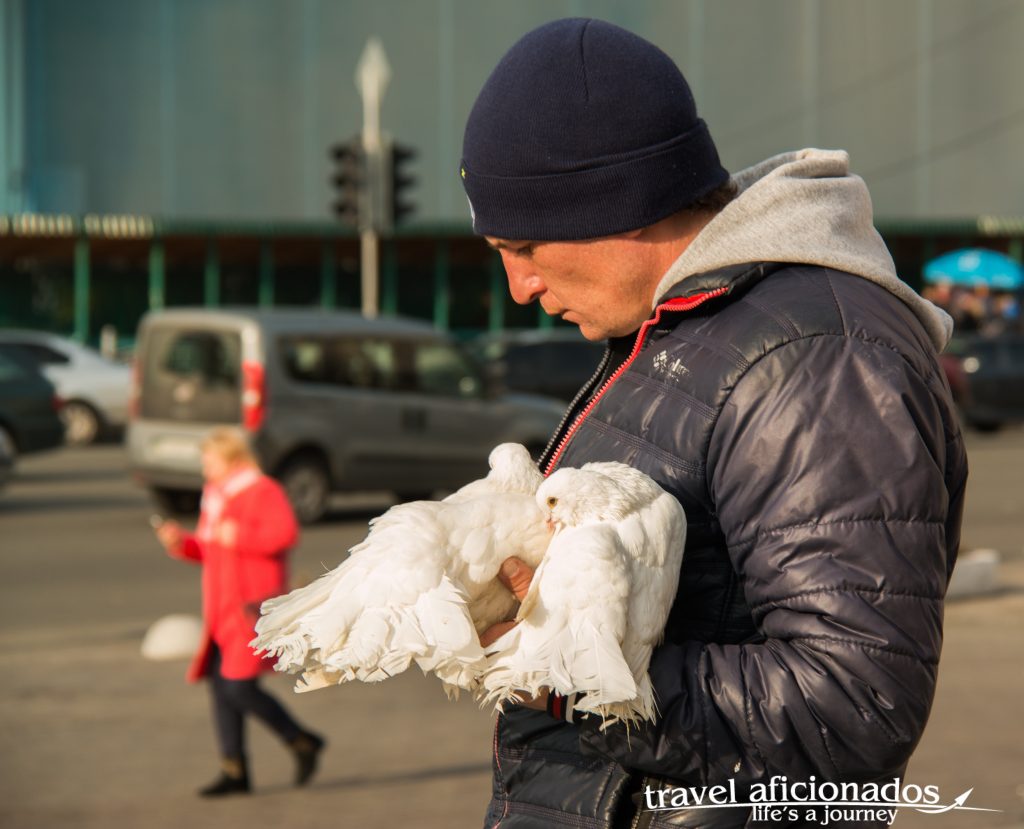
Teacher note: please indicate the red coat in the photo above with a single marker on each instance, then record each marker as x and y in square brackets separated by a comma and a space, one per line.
[238, 577]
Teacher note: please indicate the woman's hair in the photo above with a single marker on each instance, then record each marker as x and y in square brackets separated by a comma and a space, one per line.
[231, 444]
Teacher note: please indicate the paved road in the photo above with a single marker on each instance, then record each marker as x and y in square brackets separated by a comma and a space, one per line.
[94, 736]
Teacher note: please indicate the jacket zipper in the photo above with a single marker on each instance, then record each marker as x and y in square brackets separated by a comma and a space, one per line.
[677, 304]
[580, 395]
[639, 809]
[497, 764]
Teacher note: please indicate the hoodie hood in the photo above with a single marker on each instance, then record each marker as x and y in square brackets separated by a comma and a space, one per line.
[803, 207]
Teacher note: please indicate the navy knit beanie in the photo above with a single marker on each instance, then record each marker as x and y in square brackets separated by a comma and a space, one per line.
[584, 130]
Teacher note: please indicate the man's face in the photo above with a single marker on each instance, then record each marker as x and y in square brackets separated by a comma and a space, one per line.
[602, 285]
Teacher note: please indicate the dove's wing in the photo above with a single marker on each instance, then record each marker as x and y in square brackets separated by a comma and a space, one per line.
[654, 538]
[391, 602]
[418, 588]
[570, 636]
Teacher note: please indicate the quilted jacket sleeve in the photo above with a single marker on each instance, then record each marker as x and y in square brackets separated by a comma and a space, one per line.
[826, 468]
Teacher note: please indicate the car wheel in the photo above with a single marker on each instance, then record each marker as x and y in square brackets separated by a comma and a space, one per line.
[308, 486]
[81, 423]
[8, 455]
[175, 501]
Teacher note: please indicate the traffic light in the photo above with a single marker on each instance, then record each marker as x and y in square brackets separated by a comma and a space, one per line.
[399, 182]
[349, 180]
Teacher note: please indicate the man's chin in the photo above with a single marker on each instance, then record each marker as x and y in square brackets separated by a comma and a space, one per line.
[589, 331]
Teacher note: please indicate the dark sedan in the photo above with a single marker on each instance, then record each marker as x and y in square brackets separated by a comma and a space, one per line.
[29, 411]
[555, 362]
[986, 375]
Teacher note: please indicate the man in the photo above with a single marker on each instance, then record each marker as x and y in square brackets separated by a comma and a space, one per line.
[768, 368]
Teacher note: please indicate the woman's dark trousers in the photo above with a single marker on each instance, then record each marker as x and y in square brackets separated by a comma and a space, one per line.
[234, 699]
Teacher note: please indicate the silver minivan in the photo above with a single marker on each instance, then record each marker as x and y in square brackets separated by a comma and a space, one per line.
[332, 401]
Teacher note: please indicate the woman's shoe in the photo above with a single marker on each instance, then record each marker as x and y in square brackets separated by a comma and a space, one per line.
[307, 750]
[234, 779]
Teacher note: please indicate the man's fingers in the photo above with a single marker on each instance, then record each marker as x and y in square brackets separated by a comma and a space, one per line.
[516, 575]
[495, 632]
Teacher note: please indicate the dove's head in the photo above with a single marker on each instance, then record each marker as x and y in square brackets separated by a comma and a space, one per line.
[513, 468]
[609, 492]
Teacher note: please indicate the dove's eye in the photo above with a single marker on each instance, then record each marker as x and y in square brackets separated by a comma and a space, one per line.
[552, 501]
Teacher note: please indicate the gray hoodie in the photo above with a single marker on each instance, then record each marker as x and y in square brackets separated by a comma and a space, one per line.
[803, 207]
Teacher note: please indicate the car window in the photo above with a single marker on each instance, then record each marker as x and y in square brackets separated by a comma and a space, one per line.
[986, 353]
[211, 355]
[192, 375]
[565, 363]
[43, 355]
[442, 369]
[380, 360]
[522, 365]
[10, 367]
[1015, 353]
[350, 362]
[305, 359]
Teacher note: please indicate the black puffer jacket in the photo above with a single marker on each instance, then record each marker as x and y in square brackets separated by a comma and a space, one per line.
[800, 416]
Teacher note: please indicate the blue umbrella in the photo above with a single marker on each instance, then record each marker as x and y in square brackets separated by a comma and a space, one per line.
[975, 267]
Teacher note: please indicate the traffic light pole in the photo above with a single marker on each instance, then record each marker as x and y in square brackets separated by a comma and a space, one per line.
[369, 246]
[372, 76]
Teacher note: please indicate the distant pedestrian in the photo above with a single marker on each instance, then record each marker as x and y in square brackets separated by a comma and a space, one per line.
[246, 529]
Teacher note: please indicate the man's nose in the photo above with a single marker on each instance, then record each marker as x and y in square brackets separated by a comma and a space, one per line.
[523, 283]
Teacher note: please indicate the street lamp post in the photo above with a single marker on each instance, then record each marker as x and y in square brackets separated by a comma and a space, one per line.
[372, 75]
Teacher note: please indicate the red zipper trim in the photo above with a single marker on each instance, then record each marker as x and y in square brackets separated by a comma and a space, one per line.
[678, 304]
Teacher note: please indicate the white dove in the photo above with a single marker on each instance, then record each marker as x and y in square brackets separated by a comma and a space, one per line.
[599, 601]
[421, 587]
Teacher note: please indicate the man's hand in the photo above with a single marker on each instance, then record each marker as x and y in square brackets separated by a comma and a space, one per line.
[516, 575]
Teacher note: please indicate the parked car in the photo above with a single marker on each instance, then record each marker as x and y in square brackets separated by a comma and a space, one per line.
[555, 362]
[333, 402]
[95, 390]
[986, 376]
[29, 420]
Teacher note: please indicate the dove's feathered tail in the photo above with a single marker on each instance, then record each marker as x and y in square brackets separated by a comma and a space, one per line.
[435, 632]
[571, 658]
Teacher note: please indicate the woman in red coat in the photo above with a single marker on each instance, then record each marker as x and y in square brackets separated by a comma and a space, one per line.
[246, 529]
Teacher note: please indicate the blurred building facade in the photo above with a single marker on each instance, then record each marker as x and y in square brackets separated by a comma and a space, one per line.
[168, 152]
[225, 108]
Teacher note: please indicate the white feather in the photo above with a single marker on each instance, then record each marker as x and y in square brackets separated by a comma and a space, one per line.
[420, 588]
